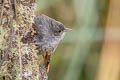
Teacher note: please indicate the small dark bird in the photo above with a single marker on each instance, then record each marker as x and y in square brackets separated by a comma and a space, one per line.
[49, 33]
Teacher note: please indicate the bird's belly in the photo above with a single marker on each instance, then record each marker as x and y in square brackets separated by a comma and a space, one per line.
[47, 47]
[47, 44]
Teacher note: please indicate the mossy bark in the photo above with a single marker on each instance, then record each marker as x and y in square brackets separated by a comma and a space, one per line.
[18, 61]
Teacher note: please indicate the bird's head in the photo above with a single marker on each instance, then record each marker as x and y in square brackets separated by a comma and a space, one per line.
[58, 28]
[54, 28]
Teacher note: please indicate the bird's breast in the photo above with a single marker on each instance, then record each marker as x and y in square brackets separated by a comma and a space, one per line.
[48, 44]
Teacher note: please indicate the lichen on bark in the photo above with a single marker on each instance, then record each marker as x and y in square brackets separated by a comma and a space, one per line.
[18, 61]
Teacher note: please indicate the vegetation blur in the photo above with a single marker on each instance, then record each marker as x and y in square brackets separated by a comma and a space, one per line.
[91, 51]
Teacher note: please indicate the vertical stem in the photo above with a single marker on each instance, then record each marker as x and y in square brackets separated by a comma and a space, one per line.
[2, 9]
[20, 54]
[15, 8]
[110, 58]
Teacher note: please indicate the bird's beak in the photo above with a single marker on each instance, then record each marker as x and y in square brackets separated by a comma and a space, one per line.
[67, 29]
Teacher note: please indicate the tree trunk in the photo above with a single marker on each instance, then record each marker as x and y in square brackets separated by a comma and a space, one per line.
[18, 61]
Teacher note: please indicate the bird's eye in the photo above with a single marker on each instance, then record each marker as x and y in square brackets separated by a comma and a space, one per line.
[59, 31]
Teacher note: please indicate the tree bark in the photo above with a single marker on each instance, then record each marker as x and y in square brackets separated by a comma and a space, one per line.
[18, 61]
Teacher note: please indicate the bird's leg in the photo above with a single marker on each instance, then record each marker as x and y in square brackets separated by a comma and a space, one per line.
[46, 59]
[47, 62]
[43, 55]
[43, 59]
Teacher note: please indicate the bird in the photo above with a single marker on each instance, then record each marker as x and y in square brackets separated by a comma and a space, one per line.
[49, 33]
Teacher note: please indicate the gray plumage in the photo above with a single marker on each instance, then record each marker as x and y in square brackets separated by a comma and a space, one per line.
[49, 33]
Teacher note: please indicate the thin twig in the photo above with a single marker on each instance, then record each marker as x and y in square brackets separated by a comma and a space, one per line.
[20, 53]
[15, 8]
[2, 9]
[9, 2]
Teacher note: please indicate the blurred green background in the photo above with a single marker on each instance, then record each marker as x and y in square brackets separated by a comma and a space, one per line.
[77, 57]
